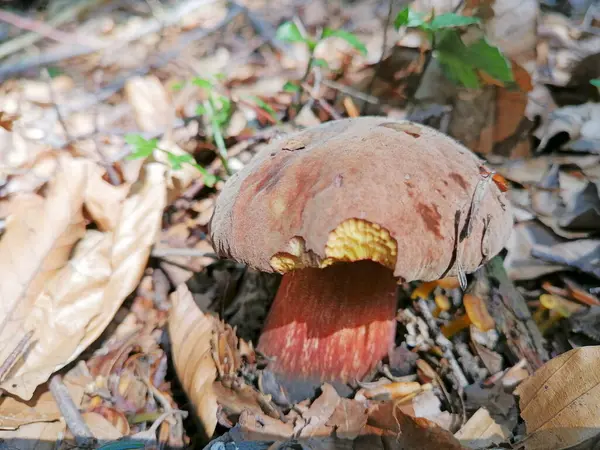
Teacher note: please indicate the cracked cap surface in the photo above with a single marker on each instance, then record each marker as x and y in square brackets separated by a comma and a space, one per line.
[391, 191]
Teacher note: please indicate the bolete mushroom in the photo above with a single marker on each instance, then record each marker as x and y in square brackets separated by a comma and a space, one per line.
[345, 210]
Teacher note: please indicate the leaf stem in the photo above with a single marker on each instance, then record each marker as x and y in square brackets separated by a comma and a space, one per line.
[218, 137]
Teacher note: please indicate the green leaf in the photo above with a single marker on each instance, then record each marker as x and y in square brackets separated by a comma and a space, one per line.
[209, 179]
[263, 105]
[126, 444]
[320, 62]
[350, 38]
[53, 72]
[203, 83]
[289, 32]
[409, 18]
[595, 82]
[143, 147]
[178, 85]
[451, 20]
[174, 161]
[200, 110]
[402, 18]
[490, 59]
[290, 87]
[462, 62]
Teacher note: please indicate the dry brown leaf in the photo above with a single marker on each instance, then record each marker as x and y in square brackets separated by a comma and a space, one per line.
[69, 302]
[34, 436]
[560, 402]
[150, 102]
[319, 413]
[103, 201]
[412, 432]
[101, 428]
[481, 431]
[42, 407]
[348, 419]
[35, 246]
[191, 332]
[262, 427]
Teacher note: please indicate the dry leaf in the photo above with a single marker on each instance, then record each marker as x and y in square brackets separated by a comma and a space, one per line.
[101, 428]
[191, 332]
[560, 402]
[415, 433]
[33, 436]
[103, 201]
[319, 413]
[69, 302]
[150, 102]
[481, 431]
[583, 254]
[348, 419]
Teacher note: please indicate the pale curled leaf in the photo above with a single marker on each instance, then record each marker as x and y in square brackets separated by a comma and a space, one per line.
[151, 104]
[103, 201]
[481, 431]
[77, 300]
[35, 246]
[191, 331]
[560, 402]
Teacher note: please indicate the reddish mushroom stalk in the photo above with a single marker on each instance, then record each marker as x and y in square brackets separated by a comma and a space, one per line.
[333, 323]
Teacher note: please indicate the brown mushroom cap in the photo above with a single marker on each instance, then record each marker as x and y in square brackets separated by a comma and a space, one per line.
[374, 188]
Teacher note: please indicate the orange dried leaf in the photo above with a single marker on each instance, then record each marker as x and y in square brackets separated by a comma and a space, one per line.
[478, 313]
[393, 391]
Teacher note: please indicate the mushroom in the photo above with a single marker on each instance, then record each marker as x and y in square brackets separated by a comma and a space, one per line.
[345, 211]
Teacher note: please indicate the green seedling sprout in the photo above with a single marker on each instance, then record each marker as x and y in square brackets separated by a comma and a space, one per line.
[145, 147]
[461, 61]
[290, 32]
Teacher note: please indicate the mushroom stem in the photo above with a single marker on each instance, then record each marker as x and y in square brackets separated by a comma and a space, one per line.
[334, 324]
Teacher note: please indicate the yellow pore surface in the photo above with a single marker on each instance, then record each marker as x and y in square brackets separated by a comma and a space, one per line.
[352, 240]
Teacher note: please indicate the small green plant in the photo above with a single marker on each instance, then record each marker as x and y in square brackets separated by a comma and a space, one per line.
[462, 61]
[218, 109]
[145, 147]
[290, 32]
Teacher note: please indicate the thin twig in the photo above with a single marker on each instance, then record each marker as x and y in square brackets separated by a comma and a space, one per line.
[351, 91]
[14, 356]
[44, 29]
[65, 15]
[163, 252]
[70, 411]
[113, 176]
[71, 51]
[444, 343]
[388, 19]
[59, 116]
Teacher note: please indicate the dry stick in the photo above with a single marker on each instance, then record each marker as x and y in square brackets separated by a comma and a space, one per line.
[351, 91]
[44, 29]
[188, 252]
[72, 51]
[66, 405]
[59, 116]
[15, 355]
[163, 59]
[445, 343]
[383, 46]
[25, 40]
[113, 176]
